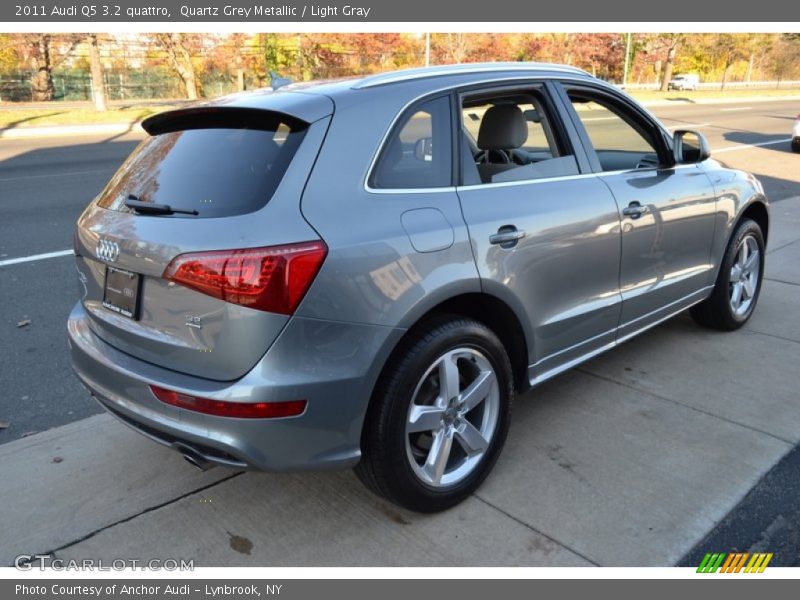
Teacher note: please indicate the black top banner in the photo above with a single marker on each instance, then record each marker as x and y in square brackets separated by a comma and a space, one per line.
[365, 11]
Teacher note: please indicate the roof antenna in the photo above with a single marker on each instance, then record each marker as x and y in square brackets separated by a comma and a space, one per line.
[276, 81]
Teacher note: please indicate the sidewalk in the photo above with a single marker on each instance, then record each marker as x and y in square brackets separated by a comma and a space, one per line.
[58, 131]
[628, 460]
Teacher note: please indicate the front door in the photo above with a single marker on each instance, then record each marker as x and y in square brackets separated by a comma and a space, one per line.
[666, 210]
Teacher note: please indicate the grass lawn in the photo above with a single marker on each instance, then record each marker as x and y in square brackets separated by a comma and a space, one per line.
[38, 117]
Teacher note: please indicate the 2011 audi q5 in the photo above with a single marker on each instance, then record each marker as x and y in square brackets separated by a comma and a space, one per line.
[363, 273]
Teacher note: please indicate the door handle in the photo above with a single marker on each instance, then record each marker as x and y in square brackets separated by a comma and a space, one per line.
[634, 210]
[507, 236]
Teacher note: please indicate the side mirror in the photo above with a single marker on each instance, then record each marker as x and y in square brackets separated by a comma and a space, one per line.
[423, 149]
[689, 147]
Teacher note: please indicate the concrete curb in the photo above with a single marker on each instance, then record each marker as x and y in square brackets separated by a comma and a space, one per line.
[713, 101]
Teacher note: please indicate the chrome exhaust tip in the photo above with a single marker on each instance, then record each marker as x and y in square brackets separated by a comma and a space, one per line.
[194, 458]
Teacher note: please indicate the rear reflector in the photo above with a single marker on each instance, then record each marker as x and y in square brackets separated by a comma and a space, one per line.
[221, 408]
[272, 279]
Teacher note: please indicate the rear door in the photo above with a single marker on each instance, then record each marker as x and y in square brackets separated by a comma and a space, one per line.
[544, 230]
[241, 171]
[667, 210]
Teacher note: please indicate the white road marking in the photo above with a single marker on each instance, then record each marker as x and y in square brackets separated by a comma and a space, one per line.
[600, 119]
[736, 108]
[51, 175]
[688, 125]
[34, 257]
[745, 146]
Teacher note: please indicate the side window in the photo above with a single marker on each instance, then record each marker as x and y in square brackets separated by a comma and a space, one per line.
[418, 153]
[511, 137]
[620, 143]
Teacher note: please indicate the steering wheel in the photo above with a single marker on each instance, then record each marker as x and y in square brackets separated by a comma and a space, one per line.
[485, 157]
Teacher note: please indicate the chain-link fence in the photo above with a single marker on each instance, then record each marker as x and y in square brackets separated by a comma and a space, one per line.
[142, 84]
[161, 83]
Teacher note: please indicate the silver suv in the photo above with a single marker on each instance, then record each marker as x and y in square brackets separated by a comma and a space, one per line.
[364, 273]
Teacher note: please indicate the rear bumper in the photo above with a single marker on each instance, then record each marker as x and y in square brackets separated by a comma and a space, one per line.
[331, 365]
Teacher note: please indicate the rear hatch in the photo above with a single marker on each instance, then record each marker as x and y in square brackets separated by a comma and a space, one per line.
[195, 254]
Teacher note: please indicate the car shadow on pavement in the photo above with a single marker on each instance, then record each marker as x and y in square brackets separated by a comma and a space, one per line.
[778, 142]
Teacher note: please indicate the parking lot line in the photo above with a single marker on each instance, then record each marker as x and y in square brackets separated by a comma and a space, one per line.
[34, 257]
[688, 125]
[736, 108]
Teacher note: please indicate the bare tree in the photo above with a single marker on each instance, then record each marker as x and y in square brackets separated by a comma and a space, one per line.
[673, 40]
[730, 49]
[42, 88]
[98, 75]
[177, 46]
[454, 45]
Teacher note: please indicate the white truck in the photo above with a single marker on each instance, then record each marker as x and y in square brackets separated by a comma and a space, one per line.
[684, 82]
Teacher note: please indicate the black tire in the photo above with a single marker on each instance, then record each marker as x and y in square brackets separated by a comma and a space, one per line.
[385, 467]
[795, 145]
[716, 312]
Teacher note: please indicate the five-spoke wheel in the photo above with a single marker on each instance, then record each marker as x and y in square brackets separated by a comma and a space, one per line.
[738, 284]
[452, 417]
[745, 274]
[439, 415]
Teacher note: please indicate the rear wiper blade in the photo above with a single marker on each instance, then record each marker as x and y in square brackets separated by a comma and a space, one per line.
[150, 208]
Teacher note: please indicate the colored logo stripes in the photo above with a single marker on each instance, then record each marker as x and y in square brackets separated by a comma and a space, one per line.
[735, 562]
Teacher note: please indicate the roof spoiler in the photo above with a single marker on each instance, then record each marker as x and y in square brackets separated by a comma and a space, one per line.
[218, 117]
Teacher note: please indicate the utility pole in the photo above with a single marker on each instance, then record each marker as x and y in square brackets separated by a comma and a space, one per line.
[626, 68]
[427, 49]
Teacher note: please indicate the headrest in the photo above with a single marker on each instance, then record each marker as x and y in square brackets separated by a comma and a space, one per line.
[503, 128]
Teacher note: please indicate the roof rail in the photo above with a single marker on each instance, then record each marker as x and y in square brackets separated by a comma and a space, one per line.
[461, 69]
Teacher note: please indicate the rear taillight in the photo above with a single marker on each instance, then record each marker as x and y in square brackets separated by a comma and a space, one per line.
[273, 279]
[221, 408]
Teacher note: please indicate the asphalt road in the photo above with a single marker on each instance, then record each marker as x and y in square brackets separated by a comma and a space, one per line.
[44, 186]
[46, 183]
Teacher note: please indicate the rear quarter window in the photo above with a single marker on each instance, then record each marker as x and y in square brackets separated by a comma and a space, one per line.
[418, 153]
[216, 165]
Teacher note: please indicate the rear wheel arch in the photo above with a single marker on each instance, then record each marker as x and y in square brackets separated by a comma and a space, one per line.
[485, 308]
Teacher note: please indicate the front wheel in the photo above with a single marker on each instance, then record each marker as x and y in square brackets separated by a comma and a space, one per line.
[439, 416]
[738, 283]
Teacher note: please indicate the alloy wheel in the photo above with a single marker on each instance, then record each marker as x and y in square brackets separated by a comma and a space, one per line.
[452, 417]
[745, 272]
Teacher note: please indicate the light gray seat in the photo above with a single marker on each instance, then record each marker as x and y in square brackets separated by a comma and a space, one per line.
[503, 129]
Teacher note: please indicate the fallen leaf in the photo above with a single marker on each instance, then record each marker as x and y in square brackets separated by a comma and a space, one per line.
[57, 459]
[24, 323]
[3, 425]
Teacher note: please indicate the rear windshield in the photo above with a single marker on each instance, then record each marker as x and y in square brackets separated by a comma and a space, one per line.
[218, 166]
